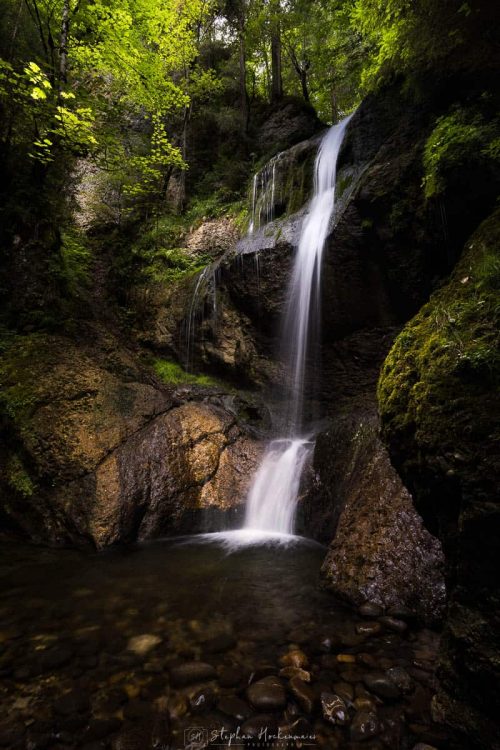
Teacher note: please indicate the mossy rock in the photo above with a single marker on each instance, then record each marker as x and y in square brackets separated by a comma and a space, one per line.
[439, 403]
[439, 379]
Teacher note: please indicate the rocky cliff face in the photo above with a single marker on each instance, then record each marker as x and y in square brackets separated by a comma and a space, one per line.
[379, 549]
[100, 452]
[439, 402]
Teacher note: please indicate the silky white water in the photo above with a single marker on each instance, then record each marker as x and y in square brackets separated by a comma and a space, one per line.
[273, 496]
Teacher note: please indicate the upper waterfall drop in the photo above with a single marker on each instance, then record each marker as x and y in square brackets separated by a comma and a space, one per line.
[305, 283]
[272, 499]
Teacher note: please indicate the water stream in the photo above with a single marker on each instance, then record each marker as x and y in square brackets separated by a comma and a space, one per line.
[274, 492]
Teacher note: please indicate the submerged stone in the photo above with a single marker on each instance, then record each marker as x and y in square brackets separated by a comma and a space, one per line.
[267, 694]
[334, 709]
[191, 672]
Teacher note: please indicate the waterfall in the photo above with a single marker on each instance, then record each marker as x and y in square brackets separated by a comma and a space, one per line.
[264, 194]
[206, 285]
[274, 492]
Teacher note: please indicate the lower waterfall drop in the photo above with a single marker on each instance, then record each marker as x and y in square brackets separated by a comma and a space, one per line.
[273, 496]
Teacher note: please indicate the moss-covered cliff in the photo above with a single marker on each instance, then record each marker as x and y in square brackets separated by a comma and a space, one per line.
[439, 403]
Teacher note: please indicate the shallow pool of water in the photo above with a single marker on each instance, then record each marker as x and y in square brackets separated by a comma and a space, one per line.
[137, 647]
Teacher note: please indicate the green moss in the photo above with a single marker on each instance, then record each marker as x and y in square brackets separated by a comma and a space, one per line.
[18, 478]
[448, 356]
[172, 373]
[461, 137]
[19, 356]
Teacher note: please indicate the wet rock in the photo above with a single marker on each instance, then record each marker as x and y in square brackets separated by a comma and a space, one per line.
[74, 702]
[143, 644]
[381, 547]
[11, 732]
[259, 725]
[202, 701]
[365, 704]
[138, 710]
[346, 658]
[401, 678]
[344, 690]
[231, 677]
[369, 628]
[218, 644]
[294, 658]
[303, 693]
[267, 694]
[391, 623]
[365, 724]
[99, 729]
[334, 709]
[370, 610]
[191, 672]
[235, 707]
[382, 685]
[401, 613]
[55, 657]
[132, 738]
[290, 672]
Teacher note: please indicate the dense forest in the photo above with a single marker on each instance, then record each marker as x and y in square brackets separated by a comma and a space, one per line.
[154, 107]
[250, 278]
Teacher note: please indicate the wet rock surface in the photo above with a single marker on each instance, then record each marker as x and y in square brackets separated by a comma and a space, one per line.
[439, 410]
[381, 555]
[108, 454]
[167, 691]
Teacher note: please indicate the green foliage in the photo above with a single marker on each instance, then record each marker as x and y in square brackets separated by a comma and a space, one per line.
[158, 256]
[17, 476]
[450, 352]
[172, 373]
[459, 138]
[72, 263]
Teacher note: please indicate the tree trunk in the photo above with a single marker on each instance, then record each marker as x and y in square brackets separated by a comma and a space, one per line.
[243, 80]
[303, 83]
[63, 45]
[276, 79]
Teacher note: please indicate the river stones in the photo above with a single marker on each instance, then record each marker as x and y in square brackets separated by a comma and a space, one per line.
[344, 690]
[191, 672]
[334, 709]
[382, 685]
[74, 702]
[391, 623]
[231, 677]
[142, 644]
[55, 657]
[346, 659]
[259, 726]
[291, 672]
[203, 700]
[267, 694]
[303, 693]
[401, 678]
[370, 610]
[365, 724]
[11, 732]
[369, 628]
[219, 643]
[295, 658]
[235, 707]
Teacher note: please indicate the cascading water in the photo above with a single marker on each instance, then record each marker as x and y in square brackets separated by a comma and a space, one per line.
[264, 194]
[204, 289]
[273, 496]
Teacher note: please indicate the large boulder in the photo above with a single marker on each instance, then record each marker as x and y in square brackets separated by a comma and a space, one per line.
[96, 450]
[380, 550]
[439, 403]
